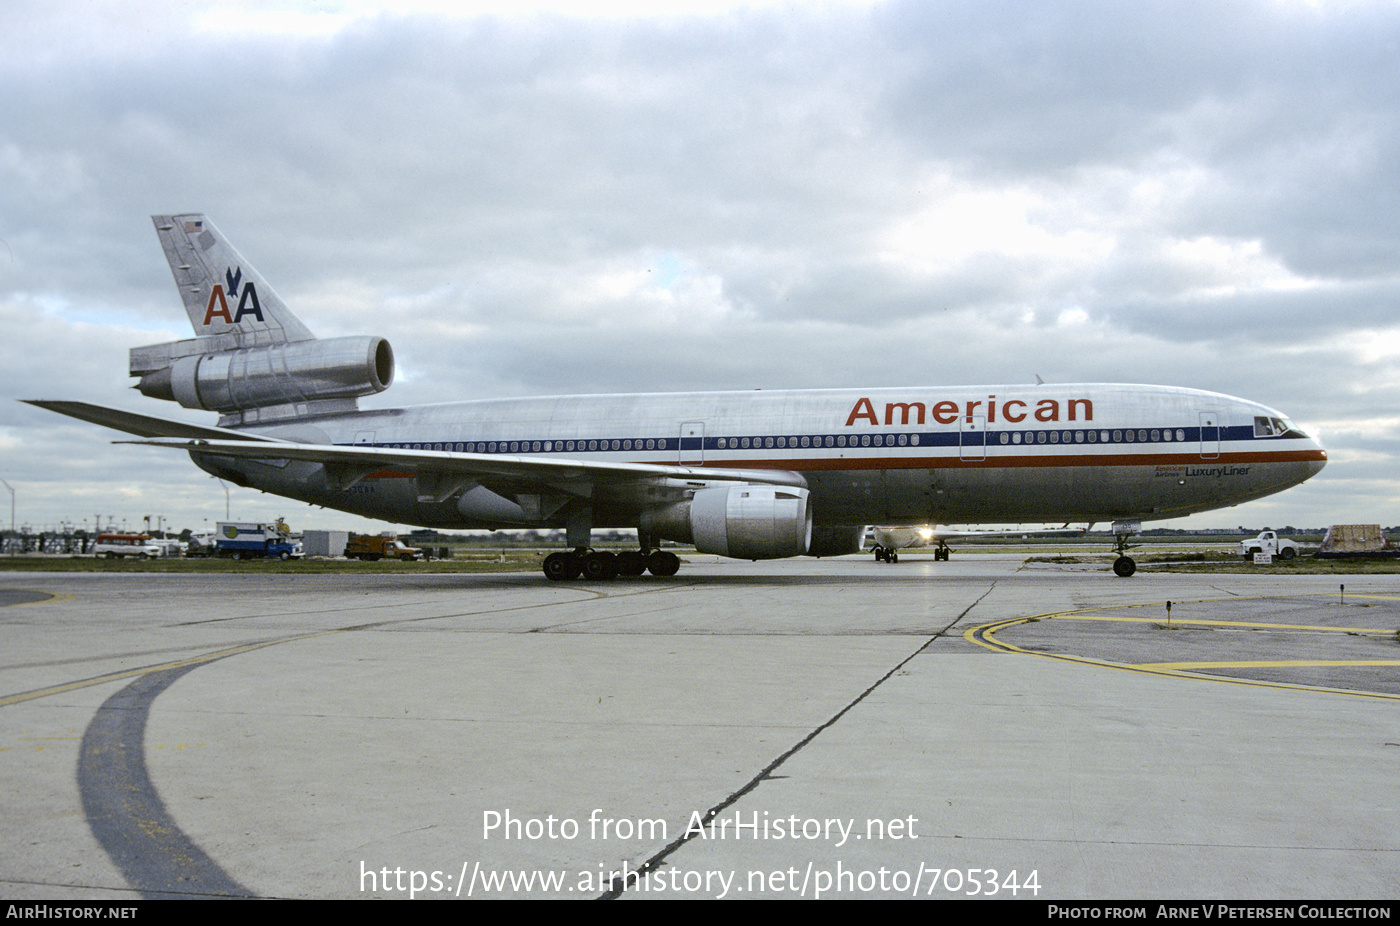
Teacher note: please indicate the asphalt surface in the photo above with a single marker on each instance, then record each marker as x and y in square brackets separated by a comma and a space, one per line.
[834, 728]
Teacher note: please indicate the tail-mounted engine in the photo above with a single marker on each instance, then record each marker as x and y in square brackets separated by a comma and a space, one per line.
[288, 374]
[742, 521]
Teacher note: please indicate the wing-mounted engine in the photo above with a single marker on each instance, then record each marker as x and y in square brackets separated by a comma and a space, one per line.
[266, 382]
[837, 540]
[740, 521]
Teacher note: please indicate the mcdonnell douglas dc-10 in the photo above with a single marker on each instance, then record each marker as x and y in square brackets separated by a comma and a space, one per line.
[750, 475]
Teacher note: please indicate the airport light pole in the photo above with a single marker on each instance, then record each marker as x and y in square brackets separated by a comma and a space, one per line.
[12, 517]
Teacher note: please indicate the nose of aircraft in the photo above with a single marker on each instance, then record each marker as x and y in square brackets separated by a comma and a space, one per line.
[1321, 460]
[1315, 457]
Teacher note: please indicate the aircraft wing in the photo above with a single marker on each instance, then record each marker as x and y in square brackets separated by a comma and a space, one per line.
[899, 538]
[144, 425]
[940, 534]
[442, 473]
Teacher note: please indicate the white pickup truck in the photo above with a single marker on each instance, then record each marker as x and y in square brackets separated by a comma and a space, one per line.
[1271, 543]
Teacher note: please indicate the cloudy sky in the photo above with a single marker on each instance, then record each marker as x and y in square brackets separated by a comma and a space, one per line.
[726, 196]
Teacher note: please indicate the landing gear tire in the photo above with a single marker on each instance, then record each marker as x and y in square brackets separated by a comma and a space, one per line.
[663, 563]
[560, 566]
[600, 565]
[632, 563]
[1124, 566]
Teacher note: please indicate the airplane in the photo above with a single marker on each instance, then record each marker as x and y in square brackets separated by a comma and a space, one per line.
[890, 540]
[748, 475]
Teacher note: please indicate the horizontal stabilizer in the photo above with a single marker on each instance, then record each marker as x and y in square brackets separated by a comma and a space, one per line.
[144, 425]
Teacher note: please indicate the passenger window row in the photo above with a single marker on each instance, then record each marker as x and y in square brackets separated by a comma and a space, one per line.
[950, 438]
[1117, 436]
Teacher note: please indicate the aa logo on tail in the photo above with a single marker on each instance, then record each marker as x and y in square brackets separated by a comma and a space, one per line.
[247, 301]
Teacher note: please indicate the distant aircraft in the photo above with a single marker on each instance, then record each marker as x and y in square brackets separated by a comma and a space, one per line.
[751, 475]
[890, 540]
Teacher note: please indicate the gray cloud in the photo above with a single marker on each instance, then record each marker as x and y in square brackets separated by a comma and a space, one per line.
[1194, 194]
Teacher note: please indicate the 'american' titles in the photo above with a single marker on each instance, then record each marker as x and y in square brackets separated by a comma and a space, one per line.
[948, 412]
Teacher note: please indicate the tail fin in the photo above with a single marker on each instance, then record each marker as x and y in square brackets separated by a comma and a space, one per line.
[224, 296]
[253, 360]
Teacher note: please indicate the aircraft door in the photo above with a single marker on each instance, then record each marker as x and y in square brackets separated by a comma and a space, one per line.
[692, 443]
[1210, 435]
[973, 438]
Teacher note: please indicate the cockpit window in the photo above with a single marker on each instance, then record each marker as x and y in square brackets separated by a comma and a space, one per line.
[1276, 427]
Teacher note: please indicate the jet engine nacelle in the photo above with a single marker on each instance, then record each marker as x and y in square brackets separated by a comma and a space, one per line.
[836, 541]
[742, 521]
[277, 374]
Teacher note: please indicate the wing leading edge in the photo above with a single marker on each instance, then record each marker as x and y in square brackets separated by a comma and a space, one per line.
[442, 474]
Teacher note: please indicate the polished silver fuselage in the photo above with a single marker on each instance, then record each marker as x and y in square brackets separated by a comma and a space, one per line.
[1001, 454]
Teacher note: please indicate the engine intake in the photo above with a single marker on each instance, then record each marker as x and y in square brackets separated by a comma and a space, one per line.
[278, 374]
[742, 521]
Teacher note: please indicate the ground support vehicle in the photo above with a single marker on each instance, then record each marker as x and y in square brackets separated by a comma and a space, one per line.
[244, 540]
[373, 547]
[1270, 543]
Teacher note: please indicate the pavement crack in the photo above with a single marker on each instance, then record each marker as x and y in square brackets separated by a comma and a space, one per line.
[955, 621]
[620, 884]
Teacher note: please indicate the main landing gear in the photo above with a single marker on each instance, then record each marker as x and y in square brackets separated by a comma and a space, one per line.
[600, 564]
